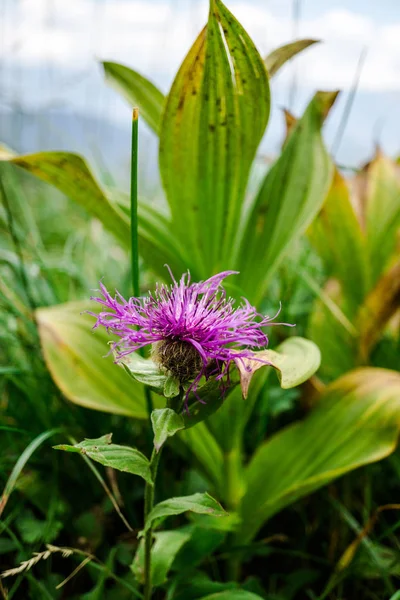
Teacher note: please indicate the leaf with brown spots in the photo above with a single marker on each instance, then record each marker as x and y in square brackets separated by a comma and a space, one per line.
[214, 119]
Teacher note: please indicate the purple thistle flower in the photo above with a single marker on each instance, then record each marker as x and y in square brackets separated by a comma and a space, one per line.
[194, 328]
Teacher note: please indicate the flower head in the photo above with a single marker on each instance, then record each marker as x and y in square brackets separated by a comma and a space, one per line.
[194, 328]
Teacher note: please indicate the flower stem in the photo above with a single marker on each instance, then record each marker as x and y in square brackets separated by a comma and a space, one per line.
[148, 507]
[134, 226]
[134, 211]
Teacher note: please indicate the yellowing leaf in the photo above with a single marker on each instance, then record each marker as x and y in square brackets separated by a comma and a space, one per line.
[291, 195]
[278, 57]
[75, 357]
[356, 422]
[214, 119]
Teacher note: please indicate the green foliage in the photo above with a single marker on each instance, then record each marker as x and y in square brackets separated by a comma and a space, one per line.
[278, 57]
[250, 454]
[202, 504]
[290, 196]
[356, 422]
[138, 91]
[164, 550]
[166, 422]
[122, 458]
[75, 358]
[210, 132]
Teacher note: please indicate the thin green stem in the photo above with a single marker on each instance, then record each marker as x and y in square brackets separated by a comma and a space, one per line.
[134, 226]
[134, 204]
[148, 507]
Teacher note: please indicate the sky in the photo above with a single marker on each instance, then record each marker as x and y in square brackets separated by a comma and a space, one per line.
[50, 50]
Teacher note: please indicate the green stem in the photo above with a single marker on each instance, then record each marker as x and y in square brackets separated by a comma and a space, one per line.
[134, 227]
[134, 203]
[148, 507]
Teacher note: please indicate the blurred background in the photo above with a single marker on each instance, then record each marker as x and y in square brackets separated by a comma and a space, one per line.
[52, 93]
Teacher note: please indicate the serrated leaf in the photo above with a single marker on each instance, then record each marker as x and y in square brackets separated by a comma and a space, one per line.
[278, 57]
[138, 91]
[296, 361]
[122, 458]
[198, 503]
[166, 422]
[214, 119]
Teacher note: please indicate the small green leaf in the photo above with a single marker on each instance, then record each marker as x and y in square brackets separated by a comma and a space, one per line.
[277, 58]
[145, 371]
[295, 362]
[166, 422]
[163, 552]
[122, 458]
[171, 387]
[138, 90]
[198, 503]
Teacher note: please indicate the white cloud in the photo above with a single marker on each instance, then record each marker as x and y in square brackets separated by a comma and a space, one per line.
[153, 36]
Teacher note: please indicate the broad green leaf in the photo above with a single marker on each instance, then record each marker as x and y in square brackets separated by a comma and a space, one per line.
[289, 198]
[70, 174]
[381, 304]
[382, 213]
[122, 458]
[145, 371]
[197, 586]
[277, 58]
[204, 539]
[158, 243]
[166, 422]
[335, 336]
[233, 595]
[200, 443]
[138, 91]
[163, 552]
[198, 503]
[337, 236]
[214, 119]
[295, 362]
[75, 357]
[356, 422]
